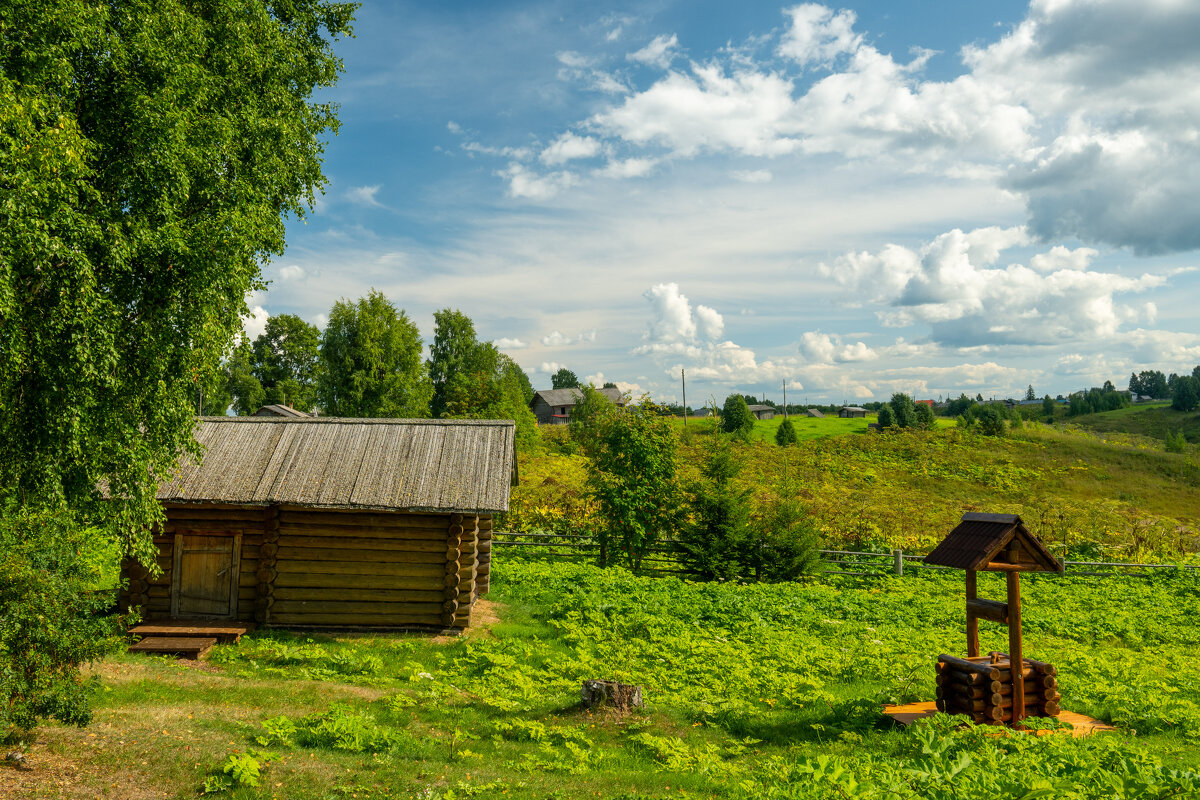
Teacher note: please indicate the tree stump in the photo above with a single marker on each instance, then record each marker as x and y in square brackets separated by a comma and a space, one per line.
[620, 696]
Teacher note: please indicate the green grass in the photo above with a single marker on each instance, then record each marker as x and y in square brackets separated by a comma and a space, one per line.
[1152, 421]
[807, 428]
[1087, 495]
[752, 691]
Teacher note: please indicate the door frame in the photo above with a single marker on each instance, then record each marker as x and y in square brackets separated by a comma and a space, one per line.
[177, 571]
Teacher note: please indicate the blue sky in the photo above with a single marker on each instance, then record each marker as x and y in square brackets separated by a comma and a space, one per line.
[856, 198]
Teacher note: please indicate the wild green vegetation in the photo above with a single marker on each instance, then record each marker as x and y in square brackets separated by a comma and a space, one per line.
[1149, 421]
[1087, 496]
[751, 691]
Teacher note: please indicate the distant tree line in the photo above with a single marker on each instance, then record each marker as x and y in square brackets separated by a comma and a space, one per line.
[1184, 390]
[368, 362]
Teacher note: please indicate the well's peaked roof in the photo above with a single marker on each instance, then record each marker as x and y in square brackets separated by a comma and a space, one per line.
[981, 540]
[398, 464]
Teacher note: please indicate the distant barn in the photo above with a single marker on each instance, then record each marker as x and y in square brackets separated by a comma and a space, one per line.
[762, 411]
[852, 411]
[330, 523]
[553, 406]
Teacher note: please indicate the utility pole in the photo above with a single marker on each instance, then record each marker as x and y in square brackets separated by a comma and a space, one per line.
[785, 398]
[683, 380]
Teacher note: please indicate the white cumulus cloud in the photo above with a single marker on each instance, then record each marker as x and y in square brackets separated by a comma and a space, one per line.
[505, 343]
[659, 53]
[955, 285]
[569, 146]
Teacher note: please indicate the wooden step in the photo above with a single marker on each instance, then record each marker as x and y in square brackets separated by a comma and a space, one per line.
[194, 648]
[222, 630]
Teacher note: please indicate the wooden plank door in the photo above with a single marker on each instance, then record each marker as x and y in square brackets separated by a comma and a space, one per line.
[205, 580]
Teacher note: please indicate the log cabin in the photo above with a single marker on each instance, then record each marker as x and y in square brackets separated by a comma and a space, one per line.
[330, 523]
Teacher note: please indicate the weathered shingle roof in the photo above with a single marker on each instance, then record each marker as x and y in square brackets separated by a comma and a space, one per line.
[761, 408]
[400, 464]
[569, 397]
[813, 412]
[980, 539]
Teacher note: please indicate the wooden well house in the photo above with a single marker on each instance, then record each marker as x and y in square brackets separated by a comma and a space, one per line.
[988, 687]
[330, 523]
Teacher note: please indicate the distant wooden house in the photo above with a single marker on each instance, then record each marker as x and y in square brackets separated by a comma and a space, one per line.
[814, 412]
[553, 406]
[701, 412]
[852, 411]
[330, 523]
[276, 410]
[762, 412]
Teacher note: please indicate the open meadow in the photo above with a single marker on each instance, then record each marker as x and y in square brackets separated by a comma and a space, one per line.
[1087, 495]
[751, 691]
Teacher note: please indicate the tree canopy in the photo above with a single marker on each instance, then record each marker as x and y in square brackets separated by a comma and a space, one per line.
[371, 362]
[736, 417]
[564, 379]
[453, 341]
[150, 152]
[285, 361]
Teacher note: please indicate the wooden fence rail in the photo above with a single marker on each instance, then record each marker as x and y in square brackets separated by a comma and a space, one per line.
[845, 562]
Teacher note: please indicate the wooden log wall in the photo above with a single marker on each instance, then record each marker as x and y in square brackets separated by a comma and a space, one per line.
[371, 569]
[483, 572]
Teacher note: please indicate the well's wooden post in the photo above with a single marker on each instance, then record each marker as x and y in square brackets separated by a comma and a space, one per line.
[972, 620]
[1016, 658]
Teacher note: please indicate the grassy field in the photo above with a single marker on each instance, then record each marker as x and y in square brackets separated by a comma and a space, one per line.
[1087, 495]
[806, 427]
[752, 691]
[1150, 421]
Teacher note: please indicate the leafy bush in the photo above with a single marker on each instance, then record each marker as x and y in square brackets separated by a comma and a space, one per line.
[236, 771]
[343, 728]
[902, 409]
[923, 417]
[991, 421]
[887, 417]
[631, 476]
[784, 542]
[785, 434]
[53, 618]
[714, 543]
[736, 418]
[1176, 442]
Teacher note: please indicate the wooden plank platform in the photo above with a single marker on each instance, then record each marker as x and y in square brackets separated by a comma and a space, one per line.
[1081, 725]
[185, 647]
[221, 630]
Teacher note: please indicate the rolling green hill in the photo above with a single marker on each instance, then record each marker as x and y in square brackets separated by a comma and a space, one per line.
[1087, 494]
[1153, 421]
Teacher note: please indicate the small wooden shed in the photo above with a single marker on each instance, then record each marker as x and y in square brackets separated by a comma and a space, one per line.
[330, 523]
[998, 687]
[852, 411]
[762, 411]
